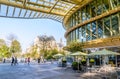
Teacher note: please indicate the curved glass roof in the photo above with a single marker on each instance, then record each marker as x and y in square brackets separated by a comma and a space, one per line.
[32, 9]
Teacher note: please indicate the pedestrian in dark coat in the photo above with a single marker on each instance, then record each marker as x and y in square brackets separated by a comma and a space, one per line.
[13, 60]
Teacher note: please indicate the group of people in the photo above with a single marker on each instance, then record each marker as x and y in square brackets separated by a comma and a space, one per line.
[14, 61]
[27, 60]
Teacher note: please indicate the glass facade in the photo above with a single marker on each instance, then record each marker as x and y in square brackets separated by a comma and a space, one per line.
[101, 28]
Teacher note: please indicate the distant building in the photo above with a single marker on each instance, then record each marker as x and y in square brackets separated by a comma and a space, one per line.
[29, 49]
[49, 42]
[60, 45]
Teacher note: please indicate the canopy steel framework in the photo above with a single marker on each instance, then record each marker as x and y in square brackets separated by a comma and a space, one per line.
[33, 9]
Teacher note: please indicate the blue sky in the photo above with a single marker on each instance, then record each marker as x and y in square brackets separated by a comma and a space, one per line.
[27, 29]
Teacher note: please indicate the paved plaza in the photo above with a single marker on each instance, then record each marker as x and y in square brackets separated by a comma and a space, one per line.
[35, 71]
[44, 71]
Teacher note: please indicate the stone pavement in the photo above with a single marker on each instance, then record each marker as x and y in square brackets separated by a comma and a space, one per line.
[35, 71]
[42, 71]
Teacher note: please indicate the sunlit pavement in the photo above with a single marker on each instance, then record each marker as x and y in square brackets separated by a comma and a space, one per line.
[35, 71]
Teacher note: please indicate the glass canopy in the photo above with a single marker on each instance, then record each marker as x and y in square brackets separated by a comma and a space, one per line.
[31, 9]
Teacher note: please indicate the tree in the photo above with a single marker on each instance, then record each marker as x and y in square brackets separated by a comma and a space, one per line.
[45, 41]
[74, 47]
[33, 53]
[51, 53]
[4, 49]
[26, 55]
[45, 44]
[2, 42]
[15, 46]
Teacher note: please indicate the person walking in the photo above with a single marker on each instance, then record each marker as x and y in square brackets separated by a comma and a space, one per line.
[28, 60]
[16, 61]
[4, 60]
[13, 60]
[38, 60]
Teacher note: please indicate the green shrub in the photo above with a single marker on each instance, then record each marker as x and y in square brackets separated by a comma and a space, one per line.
[83, 62]
[75, 66]
[64, 62]
[92, 60]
